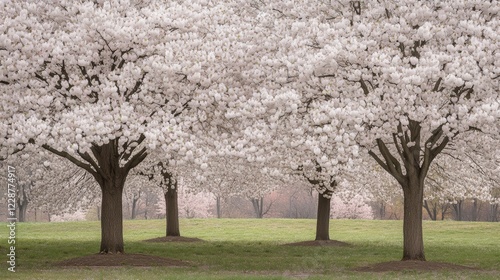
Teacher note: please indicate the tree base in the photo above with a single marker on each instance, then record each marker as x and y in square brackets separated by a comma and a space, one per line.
[174, 239]
[417, 259]
[111, 253]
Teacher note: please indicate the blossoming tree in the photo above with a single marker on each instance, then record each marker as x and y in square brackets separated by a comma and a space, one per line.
[309, 130]
[427, 74]
[104, 83]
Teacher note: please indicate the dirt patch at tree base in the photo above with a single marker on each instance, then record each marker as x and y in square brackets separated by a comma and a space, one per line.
[174, 239]
[332, 243]
[411, 265]
[122, 260]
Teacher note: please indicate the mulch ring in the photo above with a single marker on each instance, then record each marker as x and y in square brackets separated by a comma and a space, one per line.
[411, 265]
[122, 260]
[174, 239]
[332, 243]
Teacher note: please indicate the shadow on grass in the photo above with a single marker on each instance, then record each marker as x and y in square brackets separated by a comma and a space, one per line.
[120, 260]
[330, 243]
[414, 266]
[174, 239]
[234, 256]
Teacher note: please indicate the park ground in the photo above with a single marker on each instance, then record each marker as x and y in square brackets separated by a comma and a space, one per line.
[257, 249]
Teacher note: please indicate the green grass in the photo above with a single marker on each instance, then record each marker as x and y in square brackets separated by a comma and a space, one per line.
[251, 249]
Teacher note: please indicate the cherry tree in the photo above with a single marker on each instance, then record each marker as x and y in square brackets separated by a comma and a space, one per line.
[384, 192]
[453, 181]
[27, 173]
[165, 176]
[312, 132]
[137, 188]
[103, 84]
[191, 205]
[79, 215]
[351, 208]
[63, 189]
[284, 113]
[233, 176]
[44, 182]
[425, 77]
[218, 180]
[427, 74]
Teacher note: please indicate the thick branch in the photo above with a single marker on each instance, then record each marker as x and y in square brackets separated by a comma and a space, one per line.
[398, 148]
[430, 153]
[74, 160]
[136, 159]
[89, 159]
[364, 87]
[400, 179]
[391, 164]
[391, 161]
[126, 155]
[436, 85]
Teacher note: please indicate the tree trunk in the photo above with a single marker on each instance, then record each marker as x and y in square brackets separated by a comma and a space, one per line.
[22, 212]
[290, 208]
[382, 210]
[474, 214]
[257, 206]
[112, 217]
[413, 247]
[493, 212]
[133, 213]
[219, 212]
[172, 206]
[458, 210]
[323, 218]
[431, 211]
[444, 209]
[22, 204]
[22, 207]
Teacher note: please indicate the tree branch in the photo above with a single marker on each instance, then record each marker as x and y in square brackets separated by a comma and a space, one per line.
[136, 159]
[391, 164]
[364, 87]
[74, 160]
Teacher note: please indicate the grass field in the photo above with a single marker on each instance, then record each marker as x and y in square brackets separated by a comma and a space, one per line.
[252, 249]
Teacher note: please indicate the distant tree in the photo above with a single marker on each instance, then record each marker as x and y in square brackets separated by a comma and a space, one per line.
[79, 215]
[191, 205]
[351, 208]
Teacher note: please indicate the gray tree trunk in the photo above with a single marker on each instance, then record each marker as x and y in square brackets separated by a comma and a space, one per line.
[431, 210]
[257, 204]
[323, 218]
[112, 219]
[219, 210]
[413, 248]
[172, 206]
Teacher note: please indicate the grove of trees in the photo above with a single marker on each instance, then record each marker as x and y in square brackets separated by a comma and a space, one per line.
[237, 98]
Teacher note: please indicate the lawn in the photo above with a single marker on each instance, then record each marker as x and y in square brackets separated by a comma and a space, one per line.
[253, 249]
